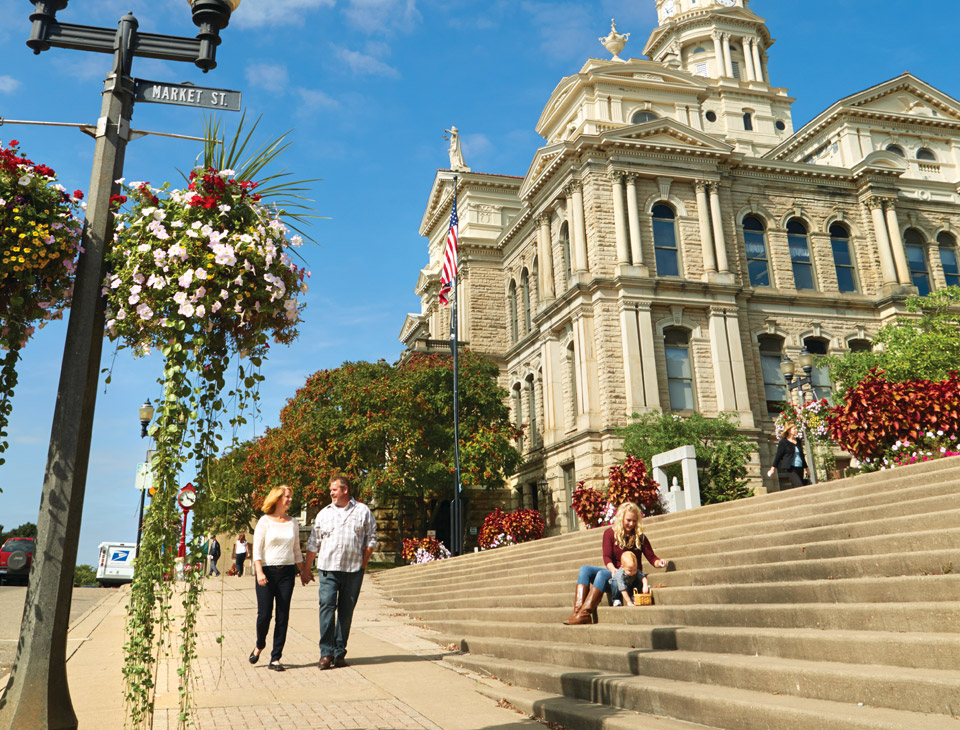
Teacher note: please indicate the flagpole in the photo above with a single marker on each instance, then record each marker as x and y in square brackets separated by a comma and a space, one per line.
[456, 527]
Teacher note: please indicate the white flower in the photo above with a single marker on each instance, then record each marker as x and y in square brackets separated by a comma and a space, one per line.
[144, 311]
[186, 278]
[186, 309]
[121, 315]
[200, 312]
[115, 282]
[136, 288]
[227, 173]
[180, 297]
[215, 307]
[196, 225]
[192, 234]
[177, 224]
[224, 294]
[224, 208]
[200, 274]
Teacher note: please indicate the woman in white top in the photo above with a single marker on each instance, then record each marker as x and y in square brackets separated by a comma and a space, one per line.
[276, 561]
[240, 553]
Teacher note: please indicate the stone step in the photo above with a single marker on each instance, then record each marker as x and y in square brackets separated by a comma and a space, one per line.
[712, 705]
[915, 690]
[932, 617]
[577, 714]
[909, 649]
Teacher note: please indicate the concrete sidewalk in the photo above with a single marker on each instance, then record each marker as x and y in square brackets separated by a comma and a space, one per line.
[395, 680]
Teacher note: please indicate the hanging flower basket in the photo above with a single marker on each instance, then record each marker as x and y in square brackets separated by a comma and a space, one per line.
[39, 242]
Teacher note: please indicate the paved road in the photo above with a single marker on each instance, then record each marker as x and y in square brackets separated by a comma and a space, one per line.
[11, 611]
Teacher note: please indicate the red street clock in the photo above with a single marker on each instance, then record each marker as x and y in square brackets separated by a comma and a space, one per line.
[187, 497]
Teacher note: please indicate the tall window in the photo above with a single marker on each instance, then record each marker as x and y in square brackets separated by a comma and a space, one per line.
[642, 116]
[774, 386]
[948, 258]
[896, 149]
[532, 411]
[915, 244]
[572, 407]
[565, 251]
[820, 375]
[860, 345]
[525, 288]
[518, 414]
[512, 303]
[748, 121]
[755, 241]
[676, 343]
[843, 258]
[800, 254]
[926, 155]
[569, 486]
[666, 253]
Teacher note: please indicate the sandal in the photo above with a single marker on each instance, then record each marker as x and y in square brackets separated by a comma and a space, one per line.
[254, 657]
[276, 666]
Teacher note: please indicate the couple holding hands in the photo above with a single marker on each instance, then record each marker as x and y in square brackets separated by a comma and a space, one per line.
[343, 538]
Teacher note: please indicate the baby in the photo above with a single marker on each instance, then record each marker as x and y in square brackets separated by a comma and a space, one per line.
[626, 579]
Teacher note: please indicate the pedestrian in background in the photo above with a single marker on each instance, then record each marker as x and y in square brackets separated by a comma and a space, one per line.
[789, 457]
[344, 537]
[239, 553]
[276, 561]
[213, 552]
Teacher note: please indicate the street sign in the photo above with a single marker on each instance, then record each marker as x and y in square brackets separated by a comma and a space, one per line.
[161, 92]
[144, 477]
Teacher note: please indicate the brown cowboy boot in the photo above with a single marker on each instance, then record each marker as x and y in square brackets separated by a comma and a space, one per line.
[578, 600]
[588, 611]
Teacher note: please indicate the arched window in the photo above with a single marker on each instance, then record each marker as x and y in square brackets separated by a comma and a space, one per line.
[666, 253]
[532, 411]
[926, 155]
[642, 116]
[896, 149]
[512, 303]
[915, 244]
[699, 49]
[535, 284]
[948, 258]
[525, 288]
[774, 386]
[748, 121]
[800, 254]
[820, 375]
[518, 414]
[843, 258]
[565, 251]
[573, 407]
[860, 345]
[676, 345]
[755, 242]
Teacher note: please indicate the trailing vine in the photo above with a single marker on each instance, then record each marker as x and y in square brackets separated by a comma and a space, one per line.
[204, 276]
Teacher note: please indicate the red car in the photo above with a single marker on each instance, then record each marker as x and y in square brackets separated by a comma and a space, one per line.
[16, 555]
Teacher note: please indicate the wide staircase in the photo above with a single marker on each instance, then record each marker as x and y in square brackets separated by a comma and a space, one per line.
[827, 607]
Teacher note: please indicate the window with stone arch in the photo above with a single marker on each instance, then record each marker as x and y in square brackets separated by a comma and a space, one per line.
[512, 304]
[843, 258]
[799, 244]
[564, 238]
[530, 386]
[915, 244]
[755, 243]
[525, 290]
[642, 116]
[573, 407]
[926, 155]
[535, 283]
[774, 385]
[860, 345]
[518, 414]
[665, 247]
[820, 376]
[948, 258]
[896, 149]
[676, 346]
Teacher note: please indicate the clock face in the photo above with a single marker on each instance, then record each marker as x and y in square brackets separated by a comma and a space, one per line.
[187, 497]
[670, 8]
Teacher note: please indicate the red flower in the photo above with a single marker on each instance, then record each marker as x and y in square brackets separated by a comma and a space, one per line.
[78, 194]
[14, 143]
[118, 200]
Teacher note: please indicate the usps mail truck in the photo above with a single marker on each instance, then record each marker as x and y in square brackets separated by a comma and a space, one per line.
[116, 563]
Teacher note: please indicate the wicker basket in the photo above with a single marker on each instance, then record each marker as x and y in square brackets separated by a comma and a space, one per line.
[642, 599]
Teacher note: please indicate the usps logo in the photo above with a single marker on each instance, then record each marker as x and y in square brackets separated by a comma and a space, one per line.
[120, 556]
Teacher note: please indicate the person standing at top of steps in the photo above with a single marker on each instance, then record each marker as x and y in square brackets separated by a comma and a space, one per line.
[789, 456]
[624, 535]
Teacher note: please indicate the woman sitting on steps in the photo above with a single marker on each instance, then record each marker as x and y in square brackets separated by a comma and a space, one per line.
[624, 535]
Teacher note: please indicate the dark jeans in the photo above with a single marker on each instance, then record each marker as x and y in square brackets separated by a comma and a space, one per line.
[338, 593]
[239, 563]
[279, 590]
[213, 567]
[795, 475]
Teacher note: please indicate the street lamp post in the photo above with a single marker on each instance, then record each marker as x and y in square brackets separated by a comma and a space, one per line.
[146, 414]
[796, 382]
[37, 694]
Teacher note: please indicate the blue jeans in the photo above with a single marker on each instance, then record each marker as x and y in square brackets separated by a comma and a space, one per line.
[591, 574]
[338, 593]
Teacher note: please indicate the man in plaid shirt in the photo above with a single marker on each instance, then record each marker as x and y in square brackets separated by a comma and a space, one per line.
[344, 536]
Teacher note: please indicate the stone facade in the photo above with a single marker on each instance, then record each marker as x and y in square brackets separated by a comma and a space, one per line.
[675, 236]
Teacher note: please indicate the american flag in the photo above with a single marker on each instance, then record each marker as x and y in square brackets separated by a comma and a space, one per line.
[450, 253]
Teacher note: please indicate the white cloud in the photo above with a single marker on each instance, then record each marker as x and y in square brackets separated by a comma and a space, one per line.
[8, 84]
[475, 145]
[314, 99]
[365, 64]
[564, 29]
[256, 13]
[382, 15]
[272, 76]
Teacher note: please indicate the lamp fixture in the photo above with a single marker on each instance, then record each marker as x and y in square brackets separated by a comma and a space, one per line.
[146, 415]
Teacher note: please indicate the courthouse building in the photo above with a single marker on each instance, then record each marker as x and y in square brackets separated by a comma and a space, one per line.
[675, 236]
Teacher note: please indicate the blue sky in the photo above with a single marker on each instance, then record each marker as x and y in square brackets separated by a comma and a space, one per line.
[368, 86]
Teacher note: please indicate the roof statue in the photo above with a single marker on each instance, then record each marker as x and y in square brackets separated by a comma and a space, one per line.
[456, 154]
[615, 42]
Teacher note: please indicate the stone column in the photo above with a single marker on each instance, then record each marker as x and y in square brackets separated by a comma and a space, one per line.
[639, 366]
[748, 58]
[720, 354]
[579, 225]
[718, 237]
[553, 391]
[633, 215]
[548, 286]
[755, 50]
[571, 231]
[651, 385]
[619, 220]
[727, 58]
[896, 243]
[718, 54]
[706, 233]
[887, 268]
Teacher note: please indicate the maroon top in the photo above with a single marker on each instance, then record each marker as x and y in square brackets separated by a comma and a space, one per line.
[612, 552]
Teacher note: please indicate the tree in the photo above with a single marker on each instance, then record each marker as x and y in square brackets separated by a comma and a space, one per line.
[924, 345]
[27, 529]
[84, 575]
[225, 499]
[722, 451]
